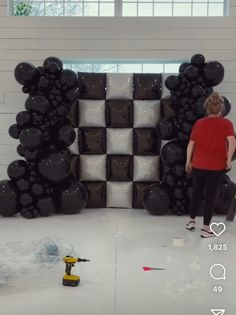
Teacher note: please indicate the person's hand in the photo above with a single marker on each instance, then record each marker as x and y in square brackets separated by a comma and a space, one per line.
[228, 164]
[188, 167]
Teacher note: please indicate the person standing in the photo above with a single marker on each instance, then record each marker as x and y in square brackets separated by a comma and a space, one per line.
[209, 154]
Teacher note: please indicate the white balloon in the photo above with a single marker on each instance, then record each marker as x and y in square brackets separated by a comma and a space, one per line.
[119, 194]
[92, 167]
[147, 113]
[146, 168]
[119, 86]
[91, 113]
[119, 140]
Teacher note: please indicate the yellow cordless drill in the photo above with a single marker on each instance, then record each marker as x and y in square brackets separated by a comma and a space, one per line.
[70, 279]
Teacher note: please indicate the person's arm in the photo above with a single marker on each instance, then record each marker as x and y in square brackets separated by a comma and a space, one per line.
[190, 149]
[231, 150]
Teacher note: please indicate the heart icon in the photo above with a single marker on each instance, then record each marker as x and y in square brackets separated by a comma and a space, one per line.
[218, 228]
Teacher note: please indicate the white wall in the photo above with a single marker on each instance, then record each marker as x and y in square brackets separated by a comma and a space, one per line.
[35, 38]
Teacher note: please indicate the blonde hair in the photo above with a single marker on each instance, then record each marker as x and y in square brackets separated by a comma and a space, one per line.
[214, 104]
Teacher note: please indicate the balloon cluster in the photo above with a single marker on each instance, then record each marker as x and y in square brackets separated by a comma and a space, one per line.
[188, 92]
[43, 184]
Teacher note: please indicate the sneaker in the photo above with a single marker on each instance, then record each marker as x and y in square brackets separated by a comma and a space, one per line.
[207, 234]
[191, 226]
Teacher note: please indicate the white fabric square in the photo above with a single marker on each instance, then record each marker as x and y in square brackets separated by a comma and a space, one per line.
[74, 147]
[146, 168]
[92, 167]
[91, 113]
[119, 140]
[119, 195]
[165, 92]
[147, 113]
[119, 86]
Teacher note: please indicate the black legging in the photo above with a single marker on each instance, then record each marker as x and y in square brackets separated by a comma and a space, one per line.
[208, 181]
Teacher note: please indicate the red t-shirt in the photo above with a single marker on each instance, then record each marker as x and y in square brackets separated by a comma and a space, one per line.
[210, 137]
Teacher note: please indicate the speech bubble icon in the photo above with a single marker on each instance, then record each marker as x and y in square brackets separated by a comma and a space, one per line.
[218, 272]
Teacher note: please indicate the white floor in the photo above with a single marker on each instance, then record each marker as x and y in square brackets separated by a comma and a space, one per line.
[119, 243]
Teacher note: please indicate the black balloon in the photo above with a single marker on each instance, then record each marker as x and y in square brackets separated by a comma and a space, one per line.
[26, 199]
[73, 199]
[69, 78]
[31, 137]
[25, 73]
[66, 135]
[213, 73]
[43, 83]
[197, 91]
[8, 203]
[37, 103]
[55, 166]
[183, 67]
[14, 131]
[198, 60]
[172, 153]
[47, 64]
[172, 82]
[226, 107]
[156, 200]
[166, 129]
[22, 184]
[20, 150]
[31, 154]
[23, 118]
[37, 189]
[17, 169]
[191, 72]
[46, 206]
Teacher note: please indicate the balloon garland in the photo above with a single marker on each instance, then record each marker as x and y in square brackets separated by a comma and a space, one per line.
[43, 184]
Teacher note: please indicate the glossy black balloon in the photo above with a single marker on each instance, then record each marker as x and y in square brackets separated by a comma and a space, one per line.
[171, 153]
[37, 189]
[20, 150]
[31, 154]
[14, 131]
[183, 67]
[25, 73]
[23, 118]
[26, 199]
[43, 83]
[17, 169]
[198, 91]
[226, 107]
[191, 72]
[72, 95]
[46, 206]
[31, 137]
[66, 135]
[166, 129]
[73, 199]
[213, 73]
[53, 60]
[172, 82]
[37, 103]
[69, 78]
[198, 60]
[23, 184]
[8, 203]
[156, 200]
[55, 166]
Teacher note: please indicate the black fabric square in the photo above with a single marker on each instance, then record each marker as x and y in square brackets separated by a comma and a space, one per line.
[92, 140]
[93, 85]
[96, 194]
[138, 191]
[147, 86]
[120, 168]
[145, 141]
[119, 113]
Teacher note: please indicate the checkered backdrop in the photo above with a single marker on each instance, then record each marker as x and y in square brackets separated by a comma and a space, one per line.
[117, 148]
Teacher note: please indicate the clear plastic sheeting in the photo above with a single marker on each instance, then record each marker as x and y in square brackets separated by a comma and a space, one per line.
[26, 265]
